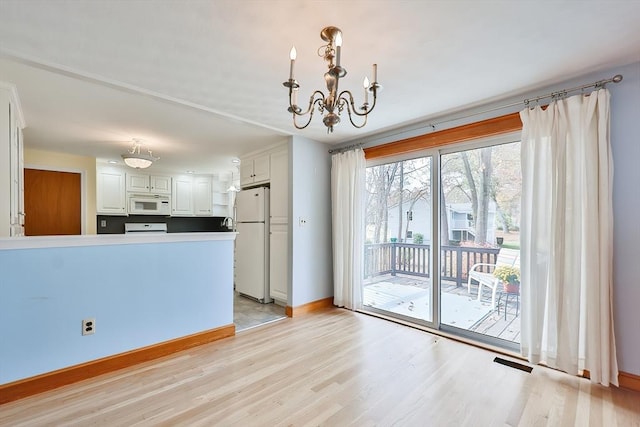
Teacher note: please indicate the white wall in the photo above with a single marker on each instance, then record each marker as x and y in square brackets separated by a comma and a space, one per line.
[625, 131]
[311, 270]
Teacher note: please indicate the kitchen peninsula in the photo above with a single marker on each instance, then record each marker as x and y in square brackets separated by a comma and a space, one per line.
[141, 291]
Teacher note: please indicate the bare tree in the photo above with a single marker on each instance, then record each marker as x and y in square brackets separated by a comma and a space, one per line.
[484, 195]
[471, 183]
[380, 181]
[444, 220]
[481, 191]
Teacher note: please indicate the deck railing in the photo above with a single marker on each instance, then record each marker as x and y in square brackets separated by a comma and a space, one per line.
[413, 259]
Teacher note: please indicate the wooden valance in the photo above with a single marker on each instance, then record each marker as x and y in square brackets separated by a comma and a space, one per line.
[490, 127]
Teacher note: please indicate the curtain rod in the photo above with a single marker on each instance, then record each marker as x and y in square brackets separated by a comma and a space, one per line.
[560, 93]
[347, 148]
[596, 85]
[557, 94]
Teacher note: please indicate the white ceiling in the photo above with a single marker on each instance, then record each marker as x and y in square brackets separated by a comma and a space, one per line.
[201, 81]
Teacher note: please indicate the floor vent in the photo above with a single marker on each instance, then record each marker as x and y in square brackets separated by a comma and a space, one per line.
[515, 365]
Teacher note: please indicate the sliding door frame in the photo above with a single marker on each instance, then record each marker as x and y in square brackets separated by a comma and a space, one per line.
[496, 131]
[491, 141]
[435, 307]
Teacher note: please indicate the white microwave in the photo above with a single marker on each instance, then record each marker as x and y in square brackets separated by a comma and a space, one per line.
[149, 204]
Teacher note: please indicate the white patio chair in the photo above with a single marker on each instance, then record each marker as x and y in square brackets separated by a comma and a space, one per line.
[508, 257]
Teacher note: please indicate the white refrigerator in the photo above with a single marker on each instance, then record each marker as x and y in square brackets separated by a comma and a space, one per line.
[252, 244]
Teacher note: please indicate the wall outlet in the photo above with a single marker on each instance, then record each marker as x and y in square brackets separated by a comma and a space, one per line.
[89, 326]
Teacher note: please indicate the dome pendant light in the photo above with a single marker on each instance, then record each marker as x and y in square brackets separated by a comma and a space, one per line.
[137, 160]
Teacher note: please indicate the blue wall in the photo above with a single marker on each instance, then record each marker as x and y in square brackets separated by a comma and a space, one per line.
[311, 257]
[625, 145]
[139, 294]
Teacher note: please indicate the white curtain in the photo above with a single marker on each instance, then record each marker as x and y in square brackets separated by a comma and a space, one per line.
[347, 200]
[566, 237]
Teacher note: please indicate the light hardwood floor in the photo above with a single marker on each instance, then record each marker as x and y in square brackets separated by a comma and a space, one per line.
[333, 368]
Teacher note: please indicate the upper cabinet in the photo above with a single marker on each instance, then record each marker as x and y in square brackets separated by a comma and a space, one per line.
[222, 202]
[182, 196]
[191, 195]
[203, 195]
[255, 170]
[11, 163]
[196, 195]
[141, 183]
[279, 209]
[111, 194]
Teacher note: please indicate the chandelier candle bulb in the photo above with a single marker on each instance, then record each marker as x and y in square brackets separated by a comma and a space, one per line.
[375, 73]
[338, 48]
[292, 56]
[365, 83]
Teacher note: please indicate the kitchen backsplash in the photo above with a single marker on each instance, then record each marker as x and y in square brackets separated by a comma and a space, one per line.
[107, 224]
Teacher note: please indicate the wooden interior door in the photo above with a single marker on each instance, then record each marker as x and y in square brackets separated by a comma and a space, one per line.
[52, 203]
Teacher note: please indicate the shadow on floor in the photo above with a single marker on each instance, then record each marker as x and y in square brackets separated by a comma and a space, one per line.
[248, 313]
[403, 295]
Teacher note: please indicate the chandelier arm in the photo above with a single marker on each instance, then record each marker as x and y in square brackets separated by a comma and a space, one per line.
[312, 100]
[310, 111]
[353, 107]
[345, 102]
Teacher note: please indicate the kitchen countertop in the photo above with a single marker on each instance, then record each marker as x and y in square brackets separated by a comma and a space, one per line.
[34, 242]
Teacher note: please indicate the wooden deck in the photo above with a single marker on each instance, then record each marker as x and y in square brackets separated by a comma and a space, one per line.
[494, 324]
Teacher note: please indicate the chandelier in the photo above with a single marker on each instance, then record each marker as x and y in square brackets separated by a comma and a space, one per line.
[334, 102]
[135, 159]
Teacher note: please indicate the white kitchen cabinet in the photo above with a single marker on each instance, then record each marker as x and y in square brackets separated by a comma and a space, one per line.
[142, 183]
[111, 194]
[11, 163]
[221, 198]
[279, 194]
[279, 262]
[182, 196]
[255, 170]
[203, 195]
[279, 225]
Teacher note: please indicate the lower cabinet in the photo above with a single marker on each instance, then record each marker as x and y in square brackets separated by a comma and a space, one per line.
[279, 261]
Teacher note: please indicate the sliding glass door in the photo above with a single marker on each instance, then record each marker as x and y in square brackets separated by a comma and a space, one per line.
[479, 232]
[398, 256]
[475, 221]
